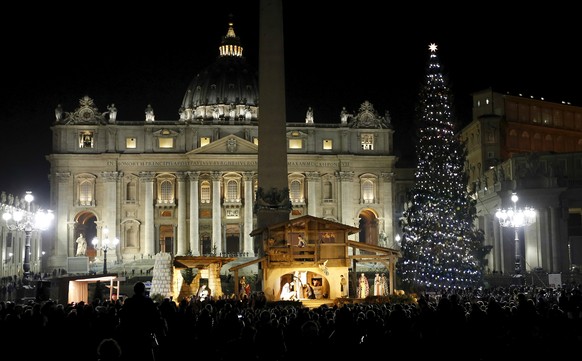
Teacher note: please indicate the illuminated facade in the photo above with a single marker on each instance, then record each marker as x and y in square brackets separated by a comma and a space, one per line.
[187, 186]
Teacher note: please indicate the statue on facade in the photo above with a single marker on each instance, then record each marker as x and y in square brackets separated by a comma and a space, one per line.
[247, 113]
[382, 239]
[309, 116]
[81, 246]
[59, 113]
[182, 113]
[344, 116]
[215, 112]
[149, 113]
[112, 112]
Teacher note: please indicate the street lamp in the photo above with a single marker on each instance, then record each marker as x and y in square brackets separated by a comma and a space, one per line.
[397, 240]
[106, 245]
[19, 219]
[516, 218]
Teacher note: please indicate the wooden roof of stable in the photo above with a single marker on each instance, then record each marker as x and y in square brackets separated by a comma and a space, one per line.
[199, 262]
[304, 221]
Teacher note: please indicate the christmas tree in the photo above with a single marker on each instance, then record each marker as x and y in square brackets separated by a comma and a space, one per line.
[440, 244]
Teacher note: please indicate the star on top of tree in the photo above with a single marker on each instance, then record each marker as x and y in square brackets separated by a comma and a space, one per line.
[432, 47]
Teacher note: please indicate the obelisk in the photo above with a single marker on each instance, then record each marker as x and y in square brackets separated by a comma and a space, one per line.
[272, 203]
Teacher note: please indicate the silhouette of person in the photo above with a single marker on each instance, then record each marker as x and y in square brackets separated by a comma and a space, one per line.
[139, 319]
[108, 350]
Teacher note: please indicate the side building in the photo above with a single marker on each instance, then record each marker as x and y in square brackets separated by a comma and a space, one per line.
[533, 148]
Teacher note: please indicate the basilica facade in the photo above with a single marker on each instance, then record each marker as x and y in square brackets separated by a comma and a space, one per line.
[187, 186]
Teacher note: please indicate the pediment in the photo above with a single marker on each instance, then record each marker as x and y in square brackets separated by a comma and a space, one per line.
[230, 144]
[165, 133]
[296, 134]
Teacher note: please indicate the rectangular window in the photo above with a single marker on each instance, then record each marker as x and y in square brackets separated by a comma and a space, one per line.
[204, 141]
[86, 140]
[368, 191]
[232, 191]
[295, 143]
[166, 192]
[166, 142]
[205, 192]
[367, 141]
[327, 144]
[130, 143]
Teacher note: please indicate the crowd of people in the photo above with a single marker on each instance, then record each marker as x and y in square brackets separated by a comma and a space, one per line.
[517, 321]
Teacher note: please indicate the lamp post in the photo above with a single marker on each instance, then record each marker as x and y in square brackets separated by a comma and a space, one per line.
[19, 219]
[516, 218]
[106, 245]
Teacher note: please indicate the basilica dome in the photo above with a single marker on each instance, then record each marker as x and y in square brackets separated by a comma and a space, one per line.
[227, 90]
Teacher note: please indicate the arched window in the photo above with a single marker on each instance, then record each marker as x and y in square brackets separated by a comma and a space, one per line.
[166, 191]
[232, 191]
[368, 191]
[327, 191]
[295, 191]
[131, 191]
[86, 193]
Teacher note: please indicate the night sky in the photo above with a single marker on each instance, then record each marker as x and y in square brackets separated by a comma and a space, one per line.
[335, 56]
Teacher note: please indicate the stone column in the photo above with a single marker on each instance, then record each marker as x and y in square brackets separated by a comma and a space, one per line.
[194, 210]
[182, 241]
[148, 244]
[345, 201]
[531, 237]
[248, 213]
[552, 263]
[111, 202]
[216, 213]
[65, 196]
[313, 181]
[345, 189]
[387, 200]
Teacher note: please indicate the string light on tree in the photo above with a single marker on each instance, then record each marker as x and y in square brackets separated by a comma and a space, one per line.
[439, 239]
